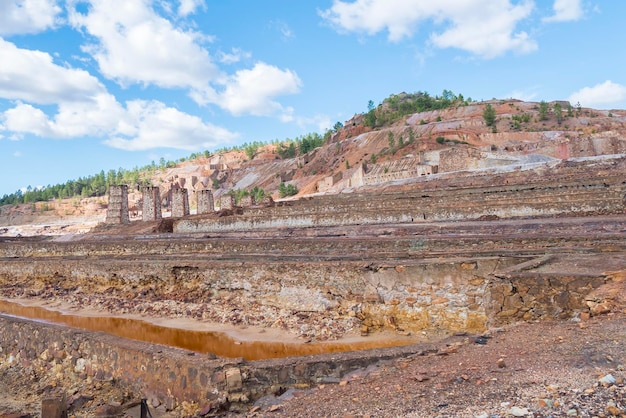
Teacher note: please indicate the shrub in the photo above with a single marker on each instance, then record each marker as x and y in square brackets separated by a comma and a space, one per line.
[285, 190]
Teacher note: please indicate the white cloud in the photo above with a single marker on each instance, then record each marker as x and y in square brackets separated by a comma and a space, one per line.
[486, 29]
[524, 95]
[85, 109]
[17, 154]
[251, 91]
[25, 118]
[566, 10]
[156, 126]
[33, 76]
[27, 16]
[189, 6]
[141, 125]
[135, 45]
[236, 55]
[600, 95]
[284, 29]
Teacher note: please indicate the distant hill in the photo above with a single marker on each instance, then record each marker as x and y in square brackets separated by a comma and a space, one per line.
[389, 143]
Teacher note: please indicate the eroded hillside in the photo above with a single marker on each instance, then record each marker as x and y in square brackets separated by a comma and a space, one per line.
[416, 147]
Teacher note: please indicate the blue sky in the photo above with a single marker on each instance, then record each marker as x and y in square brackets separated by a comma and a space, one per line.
[100, 84]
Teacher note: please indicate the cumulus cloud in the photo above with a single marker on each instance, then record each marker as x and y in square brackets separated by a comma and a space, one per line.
[251, 91]
[156, 125]
[27, 16]
[566, 10]
[141, 125]
[33, 76]
[84, 108]
[601, 95]
[486, 29]
[136, 45]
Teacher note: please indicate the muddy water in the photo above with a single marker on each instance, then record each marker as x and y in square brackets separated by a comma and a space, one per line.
[218, 343]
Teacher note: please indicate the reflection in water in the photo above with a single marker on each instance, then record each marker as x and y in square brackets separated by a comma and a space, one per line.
[218, 343]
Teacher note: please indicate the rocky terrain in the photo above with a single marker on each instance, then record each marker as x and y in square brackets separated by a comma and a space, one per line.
[507, 256]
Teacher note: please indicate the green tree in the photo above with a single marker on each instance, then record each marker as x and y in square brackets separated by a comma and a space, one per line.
[411, 135]
[251, 150]
[337, 126]
[392, 141]
[489, 115]
[258, 193]
[558, 112]
[543, 110]
[285, 190]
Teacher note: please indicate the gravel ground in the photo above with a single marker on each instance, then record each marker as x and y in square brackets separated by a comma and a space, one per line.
[550, 369]
[543, 369]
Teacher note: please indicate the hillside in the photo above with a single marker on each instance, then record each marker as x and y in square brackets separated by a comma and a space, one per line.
[415, 147]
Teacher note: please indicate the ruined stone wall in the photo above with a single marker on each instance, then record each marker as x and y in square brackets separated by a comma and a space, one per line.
[205, 201]
[247, 201]
[151, 203]
[117, 211]
[180, 202]
[415, 171]
[455, 159]
[169, 376]
[227, 201]
[506, 201]
[450, 295]
[327, 182]
[529, 296]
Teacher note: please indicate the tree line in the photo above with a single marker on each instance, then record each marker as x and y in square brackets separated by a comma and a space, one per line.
[397, 106]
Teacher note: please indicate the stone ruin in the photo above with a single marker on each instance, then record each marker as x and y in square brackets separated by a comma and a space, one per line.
[117, 211]
[205, 201]
[151, 203]
[227, 201]
[180, 202]
[247, 201]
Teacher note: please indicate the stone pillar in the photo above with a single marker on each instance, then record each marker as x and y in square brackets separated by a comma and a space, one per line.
[205, 201]
[227, 201]
[117, 211]
[247, 201]
[151, 203]
[180, 202]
